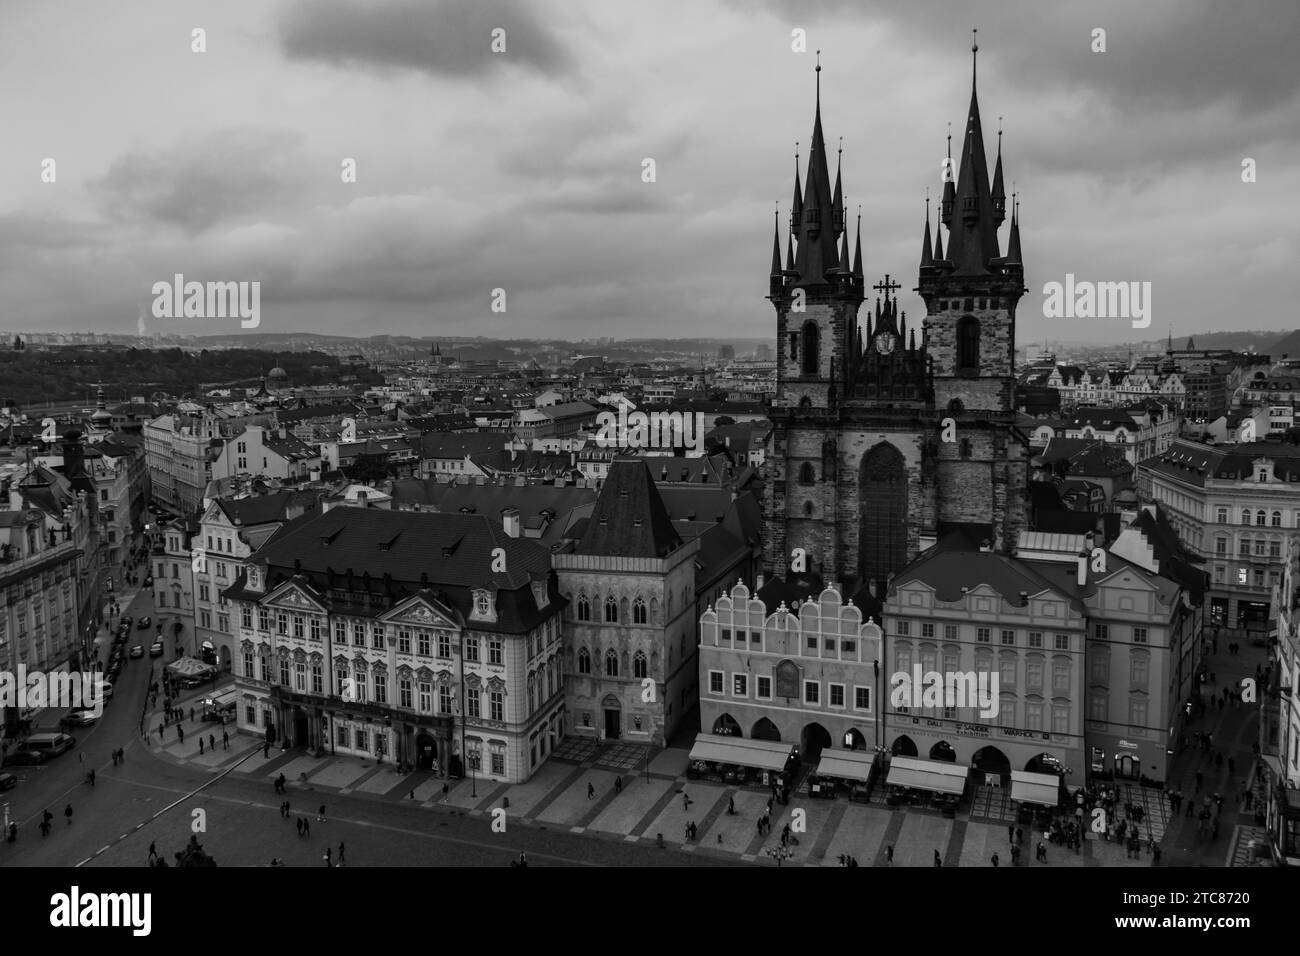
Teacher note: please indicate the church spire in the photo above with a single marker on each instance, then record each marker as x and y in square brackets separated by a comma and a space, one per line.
[817, 255]
[999, 193]
[857, 248]
[796, 204]
[949, 186]
[776, 282]
[1013, 243]
[973, 238]
[927, 256]
[838, 201]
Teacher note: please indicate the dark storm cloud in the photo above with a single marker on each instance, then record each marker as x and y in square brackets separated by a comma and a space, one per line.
[194, 185]
[439, 37]
[1160, 54]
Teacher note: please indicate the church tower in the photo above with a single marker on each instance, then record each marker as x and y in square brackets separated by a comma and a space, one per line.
[888, 439]
[817, 295]
[970, 292]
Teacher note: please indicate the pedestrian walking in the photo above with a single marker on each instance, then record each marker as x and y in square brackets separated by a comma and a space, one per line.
[938, 860]
[67, 812]
[306, 826]
[180, 733]
[686, 801]
[225, 740]
[1011, 833]
[153, 852]
[341, 853]
[191, 715]
[889, 853]
[328, 860]
[212, 742]
[618, 784]
[1020, 835]
[591, 790]
[731, 806]
[321, 818]
[299, 825]
[200, 746]
[995, 861]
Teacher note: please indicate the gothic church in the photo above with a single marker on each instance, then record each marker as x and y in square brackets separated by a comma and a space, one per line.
[887, 438]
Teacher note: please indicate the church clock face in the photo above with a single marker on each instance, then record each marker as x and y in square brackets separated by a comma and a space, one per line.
[885, 343]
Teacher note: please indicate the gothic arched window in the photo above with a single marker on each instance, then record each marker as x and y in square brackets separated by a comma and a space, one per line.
[638, 610]
[584, 607]
[883, 490]
[638, 665]
[611, 610]
[807, 474]
[611, 663]
[584, 661]
[810, 351]
[968, 345]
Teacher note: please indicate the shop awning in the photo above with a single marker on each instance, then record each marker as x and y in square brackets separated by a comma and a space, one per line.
[933, 775]
[1040, 788]
[846, 764]
[759, 754]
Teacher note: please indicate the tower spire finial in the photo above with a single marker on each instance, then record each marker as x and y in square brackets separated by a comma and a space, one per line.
[974, 53]
[819, 81]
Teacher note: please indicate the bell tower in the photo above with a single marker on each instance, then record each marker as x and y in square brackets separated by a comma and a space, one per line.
[817, 294]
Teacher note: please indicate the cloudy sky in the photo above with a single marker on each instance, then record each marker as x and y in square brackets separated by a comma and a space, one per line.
[522, 170]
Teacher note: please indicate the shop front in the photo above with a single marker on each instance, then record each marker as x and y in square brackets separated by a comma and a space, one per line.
[1132, 759]
[740, 761]
[850, 771]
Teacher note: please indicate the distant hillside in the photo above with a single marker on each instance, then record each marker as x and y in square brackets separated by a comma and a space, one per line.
[1289, 345]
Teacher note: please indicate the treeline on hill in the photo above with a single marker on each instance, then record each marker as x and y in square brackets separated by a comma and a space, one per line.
[31, 376]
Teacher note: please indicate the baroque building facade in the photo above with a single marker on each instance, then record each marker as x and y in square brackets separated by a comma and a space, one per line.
[402, 637]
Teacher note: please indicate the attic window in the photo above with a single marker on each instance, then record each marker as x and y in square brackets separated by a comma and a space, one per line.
[636, 522]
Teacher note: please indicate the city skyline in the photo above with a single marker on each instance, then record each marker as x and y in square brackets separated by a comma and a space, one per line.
[522, 170]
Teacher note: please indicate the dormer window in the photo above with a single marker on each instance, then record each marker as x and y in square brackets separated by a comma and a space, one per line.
[484, 607]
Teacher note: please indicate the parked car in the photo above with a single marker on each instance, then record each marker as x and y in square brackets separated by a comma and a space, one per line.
[114, 669]
[137, 650]
[81, 717]
[156, 649]
[24, 758]
[126, 621]
[51, 745]
[106, 689]
[143, 624]
[8, 781]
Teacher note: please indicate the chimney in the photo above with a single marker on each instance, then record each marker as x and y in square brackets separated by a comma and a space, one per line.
[871, 587]
[510, 521]
[362, 498]
[1083, 568]
[758, 582]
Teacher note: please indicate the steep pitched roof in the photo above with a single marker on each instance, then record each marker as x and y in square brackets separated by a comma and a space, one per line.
[629, 520]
